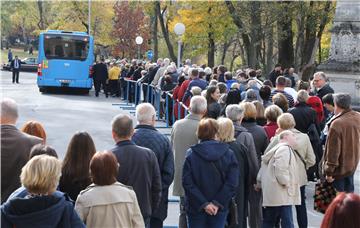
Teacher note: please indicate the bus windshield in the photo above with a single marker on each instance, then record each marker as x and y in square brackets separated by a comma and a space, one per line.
[66, 47]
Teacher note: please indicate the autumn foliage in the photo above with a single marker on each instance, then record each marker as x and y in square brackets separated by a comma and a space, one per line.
[129, 22]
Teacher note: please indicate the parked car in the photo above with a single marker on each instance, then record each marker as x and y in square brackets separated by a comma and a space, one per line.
[27, 64]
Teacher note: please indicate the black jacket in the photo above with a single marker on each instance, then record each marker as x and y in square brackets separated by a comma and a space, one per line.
[140, 170]
[242, 191]
[100, 72]
[147, 136]
[304, 116]
[324, 90]
[12, 64]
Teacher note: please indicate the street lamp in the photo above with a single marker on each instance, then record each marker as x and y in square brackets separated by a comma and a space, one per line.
[139, 40]
[179, 29]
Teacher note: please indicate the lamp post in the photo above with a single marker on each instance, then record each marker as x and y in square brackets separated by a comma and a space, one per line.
[179, 29]
[139, 40]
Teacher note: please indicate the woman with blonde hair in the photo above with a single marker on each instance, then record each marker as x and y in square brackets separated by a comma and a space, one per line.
[249, 122]
[226, 135]
[305, 159]
[42, 206]
[34, 128]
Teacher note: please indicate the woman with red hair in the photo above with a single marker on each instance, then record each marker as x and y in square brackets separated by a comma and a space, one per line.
[344, 211]
[34, 128]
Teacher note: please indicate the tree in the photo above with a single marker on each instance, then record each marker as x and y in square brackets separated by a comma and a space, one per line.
[126, 30]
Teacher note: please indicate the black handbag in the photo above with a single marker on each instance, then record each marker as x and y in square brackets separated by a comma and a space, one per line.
[233, 217]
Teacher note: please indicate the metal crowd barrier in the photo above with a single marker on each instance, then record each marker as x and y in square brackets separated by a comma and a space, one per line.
[152, 94]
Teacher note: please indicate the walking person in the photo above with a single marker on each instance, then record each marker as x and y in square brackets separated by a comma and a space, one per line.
[147, 136]
[278, 180]
[15, 66]
[100, 77]
[183, 136]
[114, 74]
[210, 178]
[10, 55]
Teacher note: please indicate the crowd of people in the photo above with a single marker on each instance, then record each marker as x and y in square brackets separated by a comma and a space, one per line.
[245, 142]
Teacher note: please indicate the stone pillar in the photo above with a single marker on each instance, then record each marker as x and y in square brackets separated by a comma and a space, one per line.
[343, 65]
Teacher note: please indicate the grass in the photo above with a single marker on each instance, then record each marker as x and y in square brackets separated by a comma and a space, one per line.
[16, 51]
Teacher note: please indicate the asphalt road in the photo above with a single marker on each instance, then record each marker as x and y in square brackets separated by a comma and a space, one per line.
[64, 114]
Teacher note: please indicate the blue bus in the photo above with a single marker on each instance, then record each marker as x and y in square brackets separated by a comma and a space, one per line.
[65, 60]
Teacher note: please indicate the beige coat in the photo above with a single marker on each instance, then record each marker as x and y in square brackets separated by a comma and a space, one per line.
[109, 206]
[278, 177]
[304, 149]
[183, 135]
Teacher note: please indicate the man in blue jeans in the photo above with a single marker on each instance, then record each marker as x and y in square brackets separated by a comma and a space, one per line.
[341, 156]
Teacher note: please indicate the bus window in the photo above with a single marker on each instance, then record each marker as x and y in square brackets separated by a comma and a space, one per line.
[66, 47]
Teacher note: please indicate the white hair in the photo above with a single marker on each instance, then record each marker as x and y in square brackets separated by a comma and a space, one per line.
[145, 113]
[208, 71]
[198, 105]
[9, 110]
[234, 112]
[166, 62]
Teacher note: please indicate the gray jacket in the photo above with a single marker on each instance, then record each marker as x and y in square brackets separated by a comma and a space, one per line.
[244, 137]
[183, 136]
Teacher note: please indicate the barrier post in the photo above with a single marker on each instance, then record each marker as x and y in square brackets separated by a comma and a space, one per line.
[127, 92]
[167, 109]
[136, 93]
[179, 110]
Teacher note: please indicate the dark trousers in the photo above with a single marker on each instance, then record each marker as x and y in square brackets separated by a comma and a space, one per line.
[182, 216]
[15, 76]
[156, 223]
[345, 184]
[271, 214]
[98, 84]
[114, 89]
[202, 219]
[301, 213]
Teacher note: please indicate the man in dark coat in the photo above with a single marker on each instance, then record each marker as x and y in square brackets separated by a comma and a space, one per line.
[303, 114]
[138, 167]
[15, 66]
[275, 74]
[15, 148]
[100, 76]
[321, 86]
[147, 136]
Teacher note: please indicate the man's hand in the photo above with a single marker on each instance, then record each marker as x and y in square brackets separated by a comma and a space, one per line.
[257, 187]
[211, 209]
[329, 179]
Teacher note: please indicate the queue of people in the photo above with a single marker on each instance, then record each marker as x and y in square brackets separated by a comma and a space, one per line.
[243, 142]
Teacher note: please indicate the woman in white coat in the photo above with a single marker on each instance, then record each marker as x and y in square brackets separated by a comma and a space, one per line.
[305, 158]
[278, 179]
[106, 202]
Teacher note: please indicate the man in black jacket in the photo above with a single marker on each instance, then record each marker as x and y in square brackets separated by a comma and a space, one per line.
[15, 67]
[275, 74]
[138, 167]
[100, 77]
[147, 136]
[321, 86]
